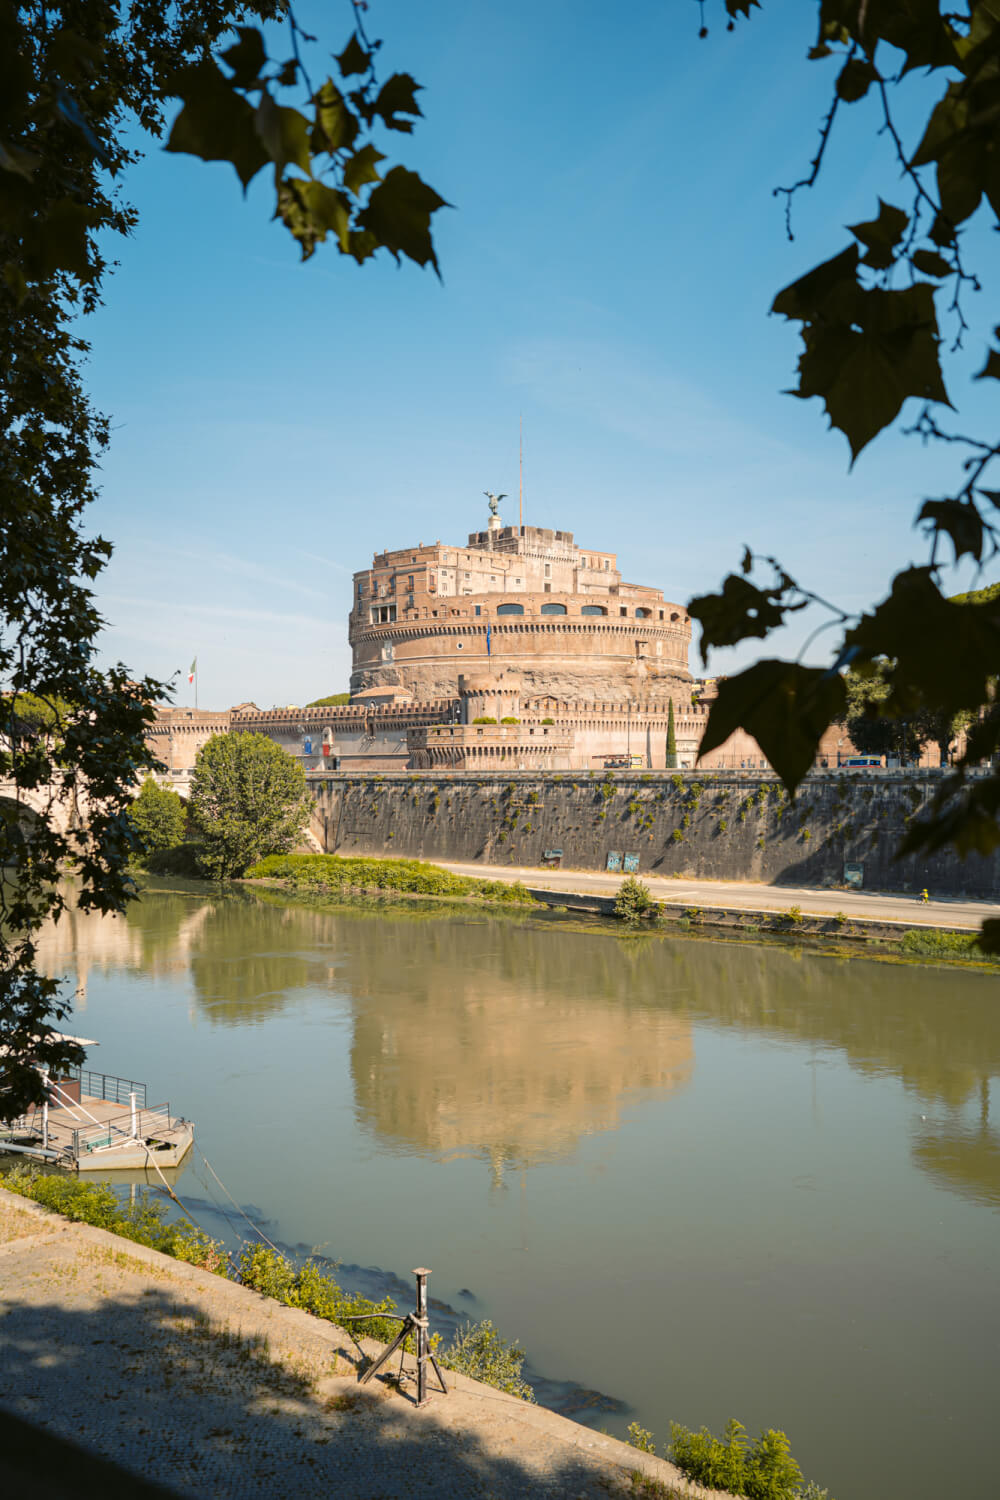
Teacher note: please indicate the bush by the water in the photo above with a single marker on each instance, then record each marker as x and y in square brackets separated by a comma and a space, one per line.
[413, 876]
[158, 817]
[95, 1203]
[760, 1468]
[930, 942]
[633, 901]
[479, 1351]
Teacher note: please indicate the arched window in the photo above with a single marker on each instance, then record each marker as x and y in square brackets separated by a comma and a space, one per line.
[593, 609]
[643, 614]
[553, 609]
[510, 609]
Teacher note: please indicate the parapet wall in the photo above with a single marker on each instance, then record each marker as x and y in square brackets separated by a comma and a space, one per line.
[718, 826]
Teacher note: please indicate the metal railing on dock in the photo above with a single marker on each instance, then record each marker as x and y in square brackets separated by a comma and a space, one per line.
[138, 1126]
[108, 1086]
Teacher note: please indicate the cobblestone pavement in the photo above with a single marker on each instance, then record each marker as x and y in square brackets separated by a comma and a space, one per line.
[213, 1391]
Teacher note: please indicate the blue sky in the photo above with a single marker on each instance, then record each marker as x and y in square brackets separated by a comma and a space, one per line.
[608, 265]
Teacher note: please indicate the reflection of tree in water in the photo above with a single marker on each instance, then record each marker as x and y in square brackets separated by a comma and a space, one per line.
[250, 957]
[963, 1155]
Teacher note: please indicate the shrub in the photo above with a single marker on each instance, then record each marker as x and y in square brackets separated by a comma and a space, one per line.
[142, 1222]
[548, 721]
[633, 901]
[640, 1438]
[509, 719]
[762, 1469]
[408, 876]
[478, 1351]
[793, 914]
[723, 824]
[485, 719]
[678, 781]
[677, 836]
[157, 817]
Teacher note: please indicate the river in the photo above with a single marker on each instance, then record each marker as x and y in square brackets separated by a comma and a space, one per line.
[705, 1178]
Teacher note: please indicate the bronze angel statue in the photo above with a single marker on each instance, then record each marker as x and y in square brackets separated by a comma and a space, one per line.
[494, 501]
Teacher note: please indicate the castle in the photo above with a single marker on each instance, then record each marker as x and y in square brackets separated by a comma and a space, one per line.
[519, 651]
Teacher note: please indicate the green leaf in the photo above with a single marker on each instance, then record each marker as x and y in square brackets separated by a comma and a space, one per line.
[989, 935]
[785, 707]
[361, 168]
[856, 77]
[991, 369]
[336, 125]
[942, 654]
[397, 96]
[865, 351]
[216, 123]
[247, 57]
[831, 287]
[881, 235]
[398, 214]
[311, 210]
[353, 59]
[284, 133]
[739, 612]
[59, 242]
[931, 263]
[960, 520]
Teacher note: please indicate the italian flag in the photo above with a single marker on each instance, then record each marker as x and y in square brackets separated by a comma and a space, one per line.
[193, 671]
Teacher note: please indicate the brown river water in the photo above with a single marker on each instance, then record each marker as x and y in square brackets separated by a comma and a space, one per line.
[701, 1178]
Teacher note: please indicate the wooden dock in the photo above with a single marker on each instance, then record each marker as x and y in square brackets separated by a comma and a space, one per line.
[88, 1131]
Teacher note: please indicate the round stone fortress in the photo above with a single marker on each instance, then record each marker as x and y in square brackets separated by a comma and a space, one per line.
[514, 599]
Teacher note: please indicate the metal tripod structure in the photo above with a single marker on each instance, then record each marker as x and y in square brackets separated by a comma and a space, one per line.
[416, 1323]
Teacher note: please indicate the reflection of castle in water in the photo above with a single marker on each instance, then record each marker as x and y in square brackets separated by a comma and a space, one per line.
[496, 1057]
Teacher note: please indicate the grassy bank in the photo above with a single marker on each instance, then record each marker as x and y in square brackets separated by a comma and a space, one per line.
[411, 877]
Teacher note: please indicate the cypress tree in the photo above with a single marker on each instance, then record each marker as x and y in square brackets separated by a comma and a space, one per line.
[671, 739]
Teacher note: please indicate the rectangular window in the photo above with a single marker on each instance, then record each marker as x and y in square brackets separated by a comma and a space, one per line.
[623, 610]
[607, 565]
[548, 570]
[478, 610]
[661, 614]
[409, 583]
[548, 590]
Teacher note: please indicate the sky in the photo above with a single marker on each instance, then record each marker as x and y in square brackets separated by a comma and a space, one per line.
[608, 263]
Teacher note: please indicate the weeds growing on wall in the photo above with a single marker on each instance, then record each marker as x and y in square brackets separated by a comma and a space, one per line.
[408, 876]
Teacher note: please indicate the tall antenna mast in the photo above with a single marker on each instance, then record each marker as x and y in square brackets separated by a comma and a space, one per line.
[520, 473]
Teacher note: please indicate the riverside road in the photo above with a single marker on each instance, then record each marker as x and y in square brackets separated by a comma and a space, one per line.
[954, 911]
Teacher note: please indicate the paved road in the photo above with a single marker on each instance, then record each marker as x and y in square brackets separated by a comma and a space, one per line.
[748, 896]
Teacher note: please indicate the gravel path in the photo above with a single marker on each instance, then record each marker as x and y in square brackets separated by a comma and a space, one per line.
[211, 1390]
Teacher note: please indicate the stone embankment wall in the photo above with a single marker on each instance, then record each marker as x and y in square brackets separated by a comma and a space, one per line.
[715, 826]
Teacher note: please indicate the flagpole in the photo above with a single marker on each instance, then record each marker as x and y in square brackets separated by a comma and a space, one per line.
[520, 474]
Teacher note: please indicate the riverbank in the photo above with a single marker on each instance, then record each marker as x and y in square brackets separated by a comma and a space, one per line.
[883, 924]
[205, 1387]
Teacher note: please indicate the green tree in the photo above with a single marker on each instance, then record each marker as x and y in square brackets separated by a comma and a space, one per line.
[158, 817]
[80, 83]
[335, 700]
[249, 799]
[871, 342]
[671, 739]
